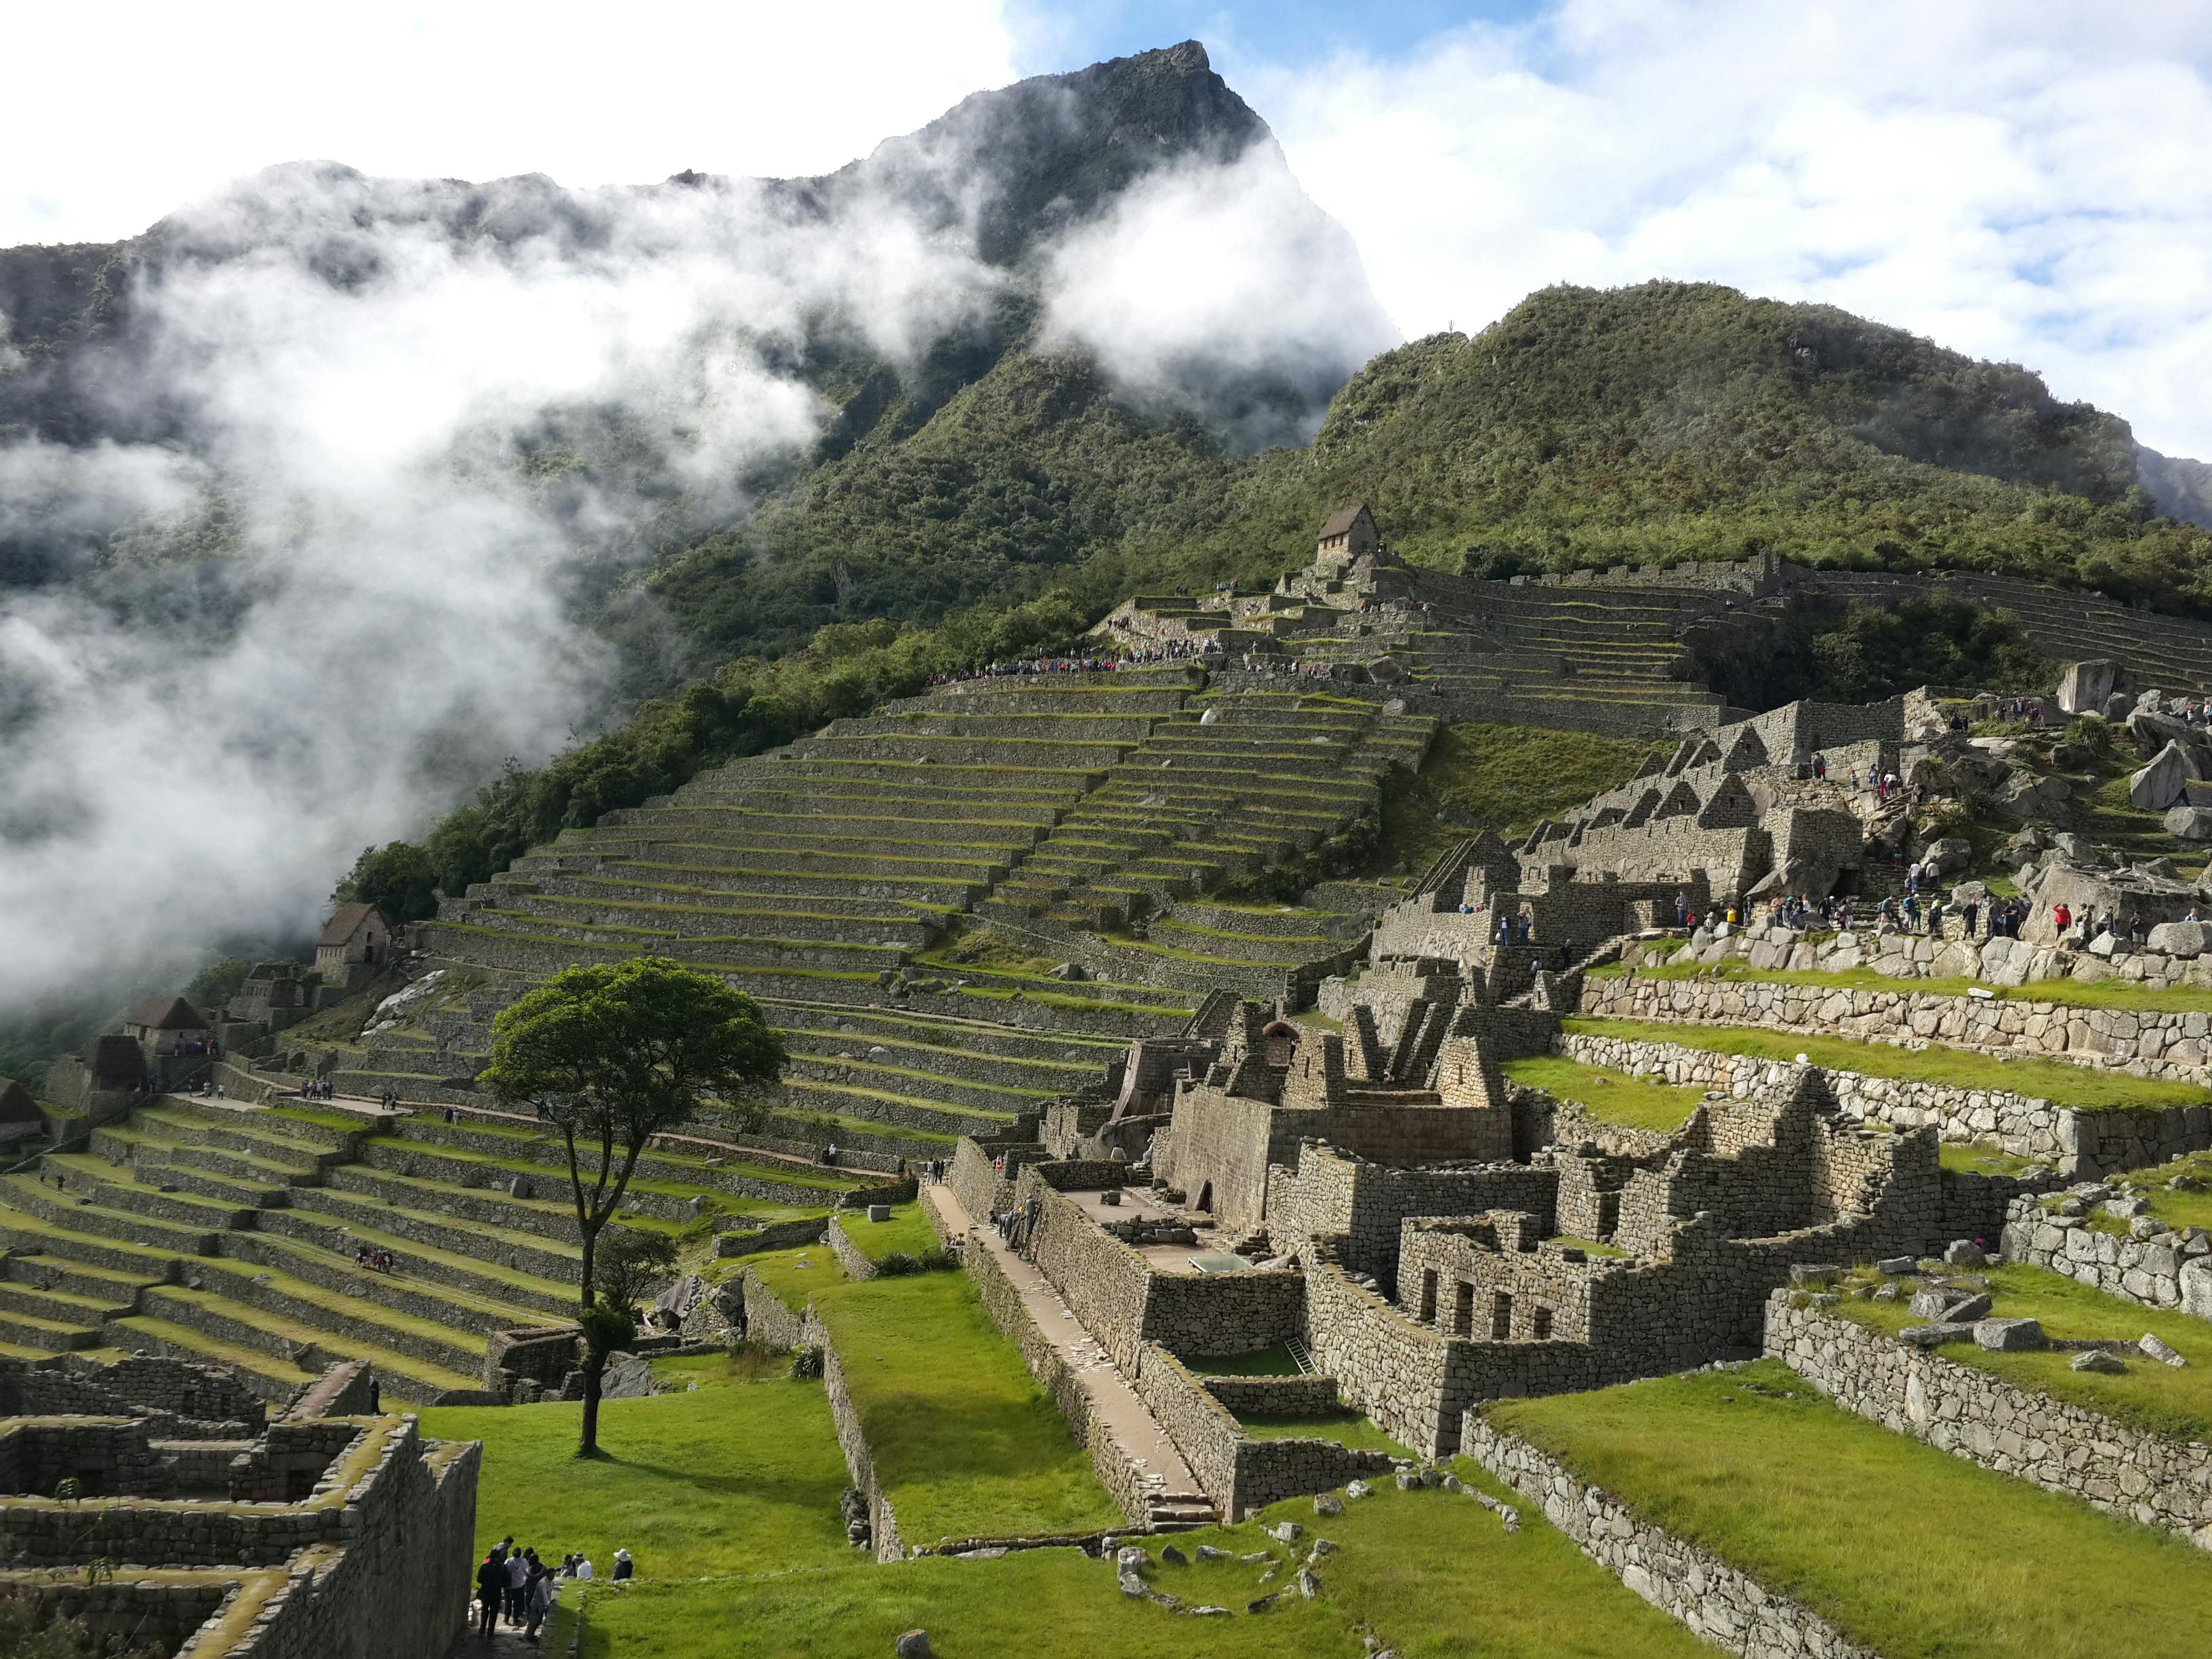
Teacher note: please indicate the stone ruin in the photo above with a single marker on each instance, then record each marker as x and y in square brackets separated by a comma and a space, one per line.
[160, 1502]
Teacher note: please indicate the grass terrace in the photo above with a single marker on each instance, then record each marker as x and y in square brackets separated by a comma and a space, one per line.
[1906, 1549]
[2075, 1086]
[740, 1475]
[2157, 1398]
[1609, 1095]
[2097, 993]
[964, 1443]
[907, 1233]
[2178, 1208]
[1979, 1158]
[1347, 1427]
[1430, 1573]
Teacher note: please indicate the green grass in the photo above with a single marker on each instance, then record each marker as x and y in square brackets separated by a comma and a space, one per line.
[741, 1476]
[1498, 777]
[1347, 1428]
[1979, 1158]
[1906, 1549]
[1432, 1574]
[964, 1443]
[2156, 1398]
[907, 1230]
[2177, 1209]
[353, 1121]
[2076, 993]
[2075, 1086]
[1609, 1095]
[1260, 1362]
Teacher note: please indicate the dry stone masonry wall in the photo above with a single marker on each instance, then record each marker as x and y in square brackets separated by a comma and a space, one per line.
[2171, 1270]
[1973, 1415]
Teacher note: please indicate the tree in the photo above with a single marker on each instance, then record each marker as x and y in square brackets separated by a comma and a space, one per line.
[23, 1635]
[613, 1055]
[399, 879]
[631, 1261]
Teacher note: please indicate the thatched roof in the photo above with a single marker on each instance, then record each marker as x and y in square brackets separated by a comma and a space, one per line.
[1340, 522]
[166, 1014]
[346, 920]
[16, 1105]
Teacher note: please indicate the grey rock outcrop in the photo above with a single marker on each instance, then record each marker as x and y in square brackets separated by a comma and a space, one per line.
[2086, 687]
[2161, 783]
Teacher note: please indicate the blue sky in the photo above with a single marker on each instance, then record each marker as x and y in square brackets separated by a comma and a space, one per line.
[1296, 31]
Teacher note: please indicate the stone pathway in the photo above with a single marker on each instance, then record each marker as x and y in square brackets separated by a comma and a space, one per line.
[1177, 1496]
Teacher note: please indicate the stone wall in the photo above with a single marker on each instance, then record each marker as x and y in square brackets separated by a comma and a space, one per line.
[2149, 1044]
[1363, 1205]
[1721, 1605]
[1973, 1415]
[1239, 1473]
[1273, 1396]
[775, 1236]
[173, 1393]
[2026, 1126]
[2172, 1270]
[850, 1257]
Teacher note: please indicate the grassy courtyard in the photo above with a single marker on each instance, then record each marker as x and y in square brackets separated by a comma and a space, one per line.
[1431, 1574]
[1611, 1096]
[965, 1443]
[1906, 1549]
[741, 1475]
[2055, 1080]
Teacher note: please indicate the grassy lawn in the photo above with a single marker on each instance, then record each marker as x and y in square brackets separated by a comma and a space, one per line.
[2179, 1209]
[2096, 994]
[2157, 1398]
[964, 1443]
[1347, 1428]
[742, 1475]
[1906, 1549]
[1979, 1158]
[1260, 1362]
[1498, 777]
[1609, 1095]
[1432, 1573]
[2054, 1081]
[907, 1230]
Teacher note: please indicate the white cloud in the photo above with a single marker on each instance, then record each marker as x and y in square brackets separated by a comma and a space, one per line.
[2020, 181]
[391, 618]
[107, 126]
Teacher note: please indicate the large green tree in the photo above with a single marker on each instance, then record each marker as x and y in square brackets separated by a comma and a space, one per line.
[614, 1055]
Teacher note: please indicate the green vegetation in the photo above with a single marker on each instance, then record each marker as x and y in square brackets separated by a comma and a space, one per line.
[399, 879]
[1430, 1573]
[741, 1475]
[1904, 1548]
[2187, 1205]
[1480, 776]
[2160, 1399]
[2070, 992]
[907, 1233]
[613, 1055]
[1856, 652]
[26, 1633]
[963, 1441]
[1260, 1361]
[2075, 1086]
[1609, 1095]
[1979, 1158]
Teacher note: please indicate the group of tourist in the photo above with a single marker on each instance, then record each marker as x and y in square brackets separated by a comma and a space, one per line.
[1922, 908]
[933, 1172]
[376, 1261]
[1015, 1227]
[1166, 651]
[517, 1582]
[317, 1089]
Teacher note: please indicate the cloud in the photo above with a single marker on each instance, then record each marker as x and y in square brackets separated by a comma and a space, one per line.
[2018, 181]
[1222, 286]
[383, 605]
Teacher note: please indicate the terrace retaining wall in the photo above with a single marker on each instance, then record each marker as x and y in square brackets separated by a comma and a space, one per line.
[1723, 1605]
[1971, 1415]
[2172, 1270]
[2146, 1042]
[2074, 1141]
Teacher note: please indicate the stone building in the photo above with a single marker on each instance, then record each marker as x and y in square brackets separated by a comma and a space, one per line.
[19, 1113]
[330, 1533]
[354, 947]
[1346, 535]
[167, 1028]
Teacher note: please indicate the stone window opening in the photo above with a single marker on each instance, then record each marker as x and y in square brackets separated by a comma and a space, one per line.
[1205, 1198]
[1501, 1315]
[1463, 1310]
[1541, 1324]
[1429, 1297]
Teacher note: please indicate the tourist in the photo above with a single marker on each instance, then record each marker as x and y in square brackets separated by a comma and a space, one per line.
[2062, 918]
[518, 1578]
[583, 1566]
[491, 1589]
[537, 1598]
[625, 1567]
[375, 1396]
[1820, 765]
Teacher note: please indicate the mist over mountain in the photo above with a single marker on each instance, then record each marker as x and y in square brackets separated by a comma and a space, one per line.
[326, 495]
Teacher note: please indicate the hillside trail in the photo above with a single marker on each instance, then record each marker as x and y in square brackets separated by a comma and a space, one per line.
[1114, 1407]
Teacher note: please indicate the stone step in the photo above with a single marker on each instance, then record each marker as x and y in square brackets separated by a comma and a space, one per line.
[274, 1379]
[336, 1237]
[402, 1290]
[27, 1297]
[123, 1186]
[407, 1376]
[102, 1286]
[54, 1335]
[84, 1219]
[364, 1215]
[319, 1307]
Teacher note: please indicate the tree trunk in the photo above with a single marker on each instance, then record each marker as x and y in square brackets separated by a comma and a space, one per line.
[590, 1236]
[595, 1363]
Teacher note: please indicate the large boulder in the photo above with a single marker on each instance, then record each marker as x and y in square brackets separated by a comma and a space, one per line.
[2085, 686]
[2189, 823]
[2118, 706]
[2180, 939]
[2161, 783]
[1952, 852]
